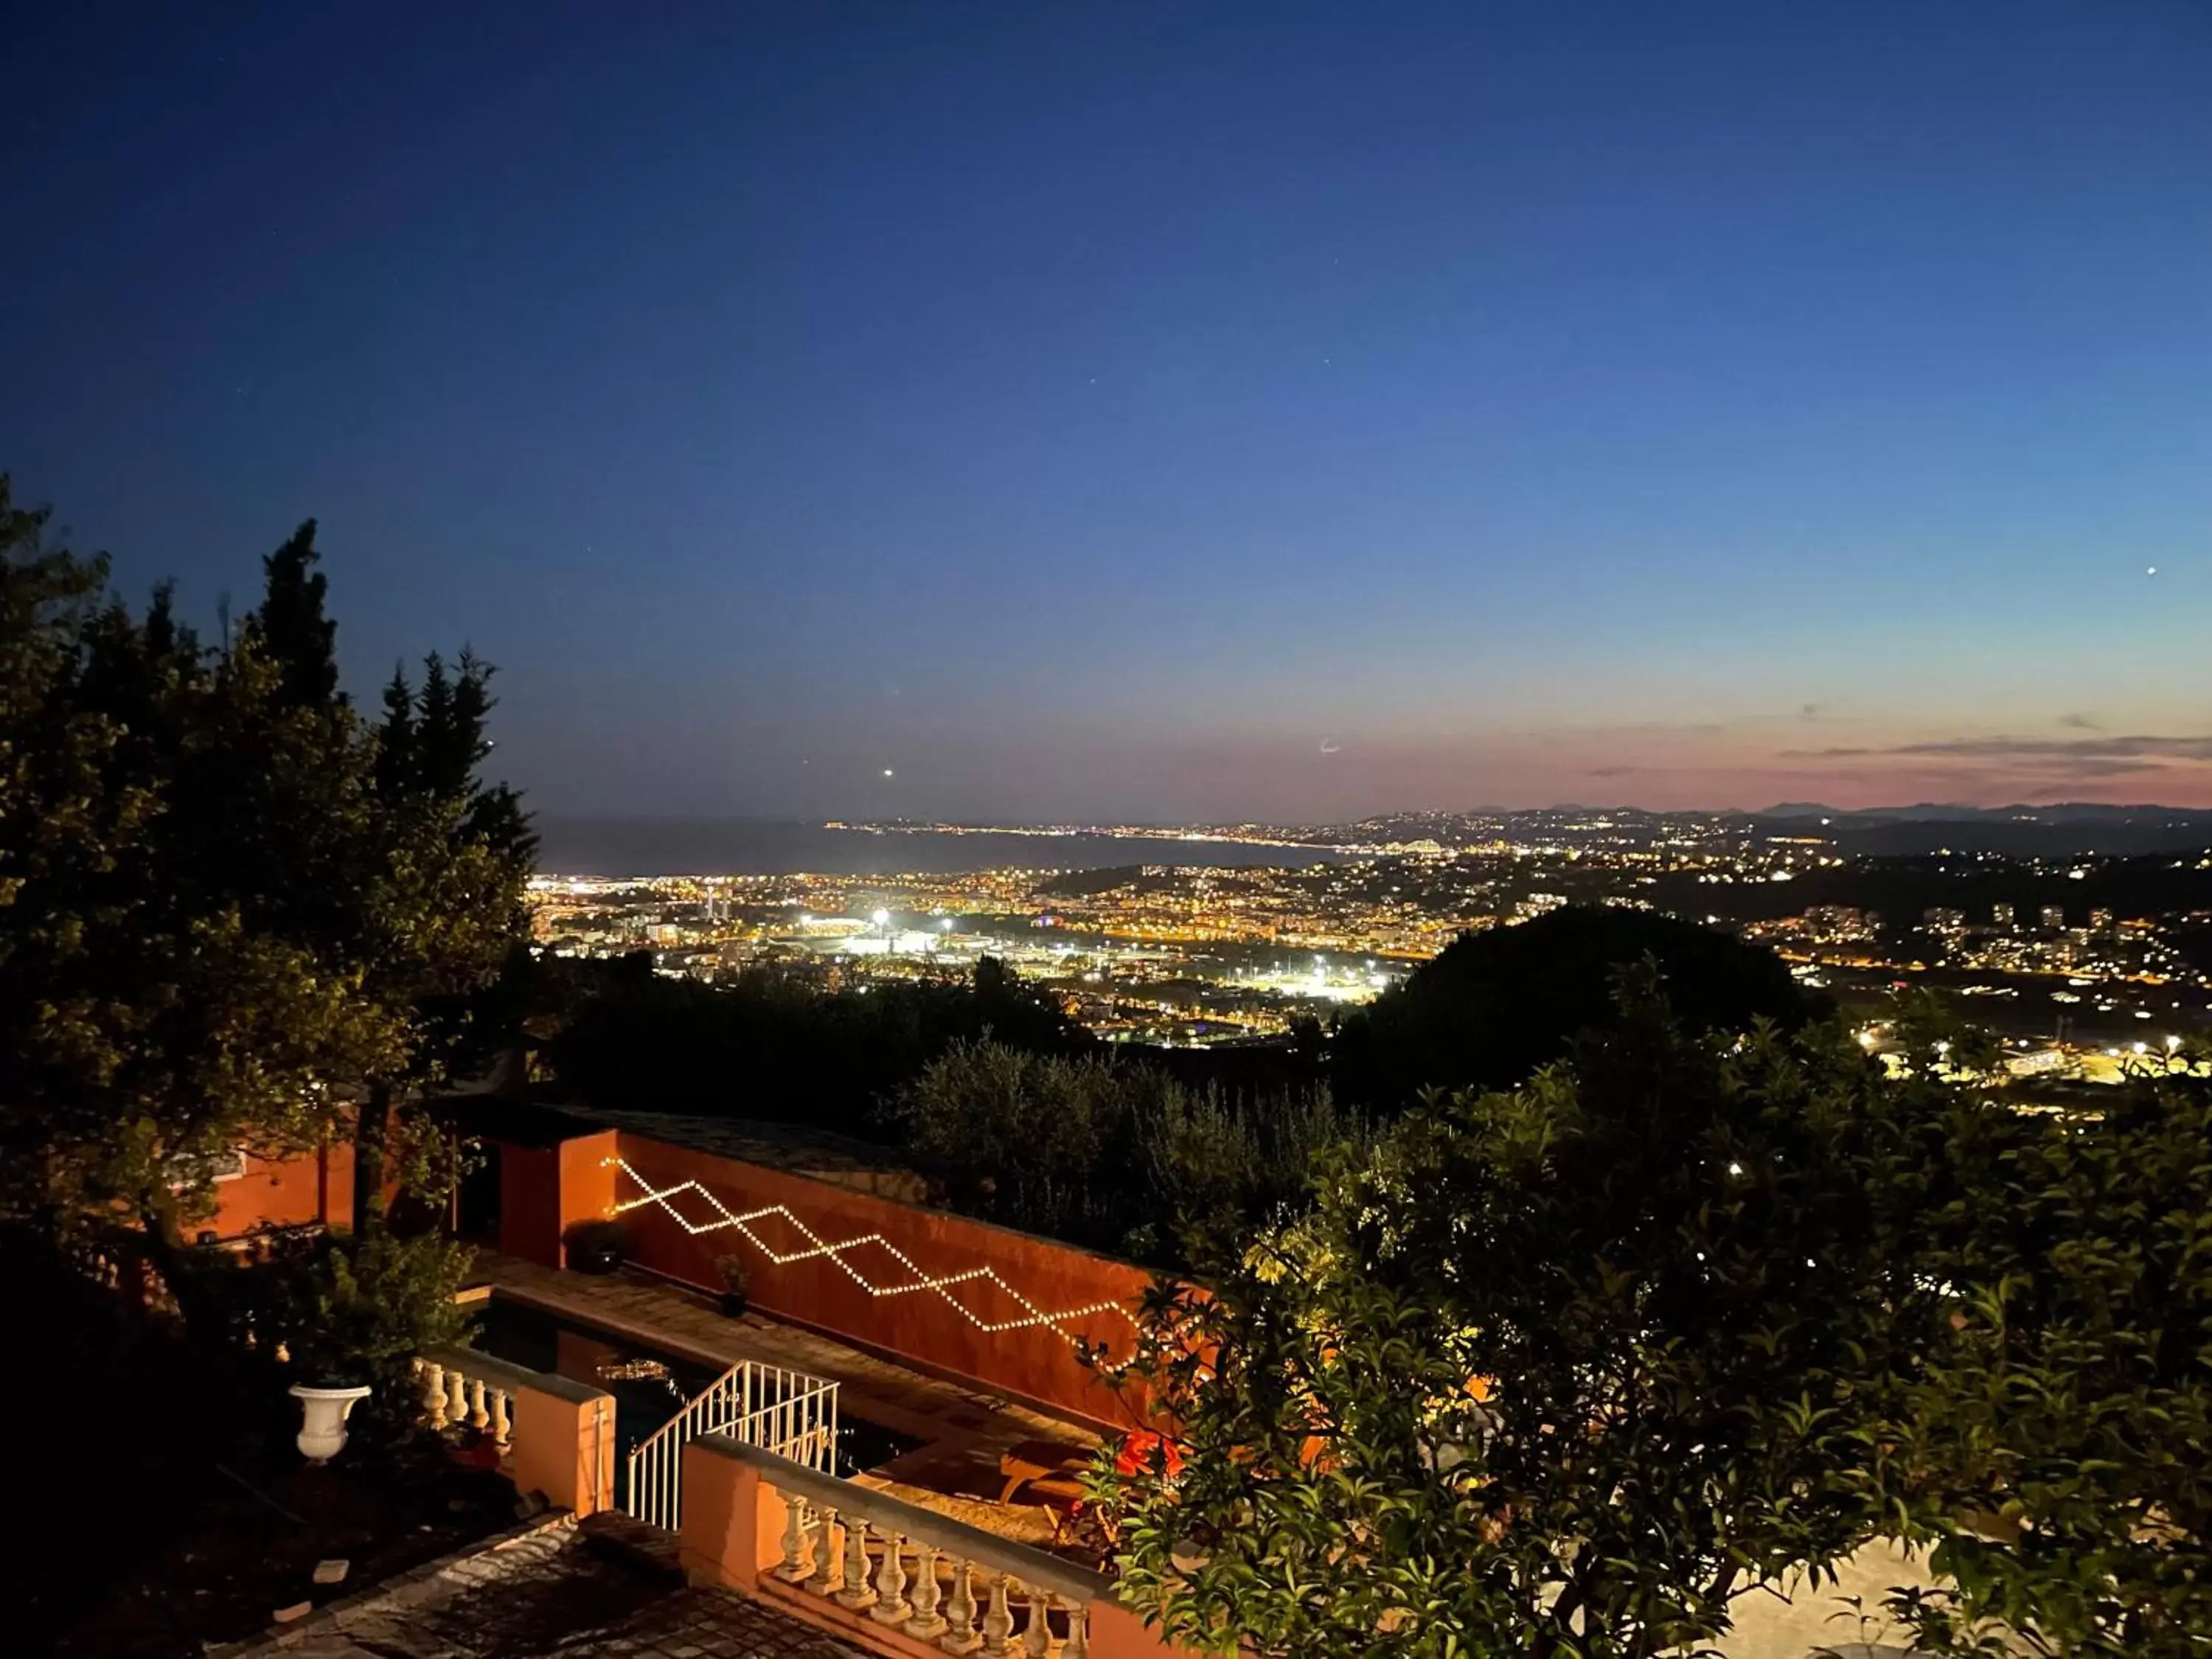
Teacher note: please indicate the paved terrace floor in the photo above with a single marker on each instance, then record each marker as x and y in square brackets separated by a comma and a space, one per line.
[964, 1429]
[556, 1591]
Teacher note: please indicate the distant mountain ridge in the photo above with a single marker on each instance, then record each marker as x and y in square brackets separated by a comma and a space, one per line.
[1938, 812]
[2063, 829]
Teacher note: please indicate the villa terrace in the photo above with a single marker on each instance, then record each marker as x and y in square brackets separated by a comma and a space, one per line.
[953, 1343]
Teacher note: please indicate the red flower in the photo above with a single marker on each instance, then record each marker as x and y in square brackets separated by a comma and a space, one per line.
[1137, 1447]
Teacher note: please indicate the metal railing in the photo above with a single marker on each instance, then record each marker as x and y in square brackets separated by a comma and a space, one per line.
[786, 1413]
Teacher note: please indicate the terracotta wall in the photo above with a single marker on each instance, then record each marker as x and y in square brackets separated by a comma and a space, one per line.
[545, 1190]
[292, 1191]
[1028, 1361]
[529, 1203]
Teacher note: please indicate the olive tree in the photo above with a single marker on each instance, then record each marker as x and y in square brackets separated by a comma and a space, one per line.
[2054, 1448]
[1558, 1371]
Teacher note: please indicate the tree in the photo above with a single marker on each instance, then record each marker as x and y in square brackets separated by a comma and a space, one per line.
[2054, 1447]
[1557, 1372]
[174, 822]
[216, 926]
[1109, 1153]
[442, 914]
[1017, 1137]
[298, 637]
[1493, 1005]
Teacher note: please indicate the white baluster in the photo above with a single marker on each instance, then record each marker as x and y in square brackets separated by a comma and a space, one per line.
[999, 1621]
[1037, 1639]
[434, 1393]
[828, 1561]
[798, 1542]
[960, 1610]
[1078, 1645]
[479, 1419]
[858, 1592]
[926, 1623]
[457, 1399]
[502, 1426]
[892, 1606]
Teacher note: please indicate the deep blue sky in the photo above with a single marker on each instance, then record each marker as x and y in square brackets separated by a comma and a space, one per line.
[1163, 411]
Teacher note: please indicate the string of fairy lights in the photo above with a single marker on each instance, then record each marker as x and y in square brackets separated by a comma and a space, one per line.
[818, 1248]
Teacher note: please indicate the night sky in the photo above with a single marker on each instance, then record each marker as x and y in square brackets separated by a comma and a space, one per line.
[1163, 412]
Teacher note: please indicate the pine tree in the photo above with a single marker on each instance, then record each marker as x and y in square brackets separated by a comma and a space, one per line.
[395, 751]
[294, 632]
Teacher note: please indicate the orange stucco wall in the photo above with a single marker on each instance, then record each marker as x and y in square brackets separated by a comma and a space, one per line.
[903, 1243]
[529, 1203]
[564, 1447]
[292, 1191]
[545, 1190]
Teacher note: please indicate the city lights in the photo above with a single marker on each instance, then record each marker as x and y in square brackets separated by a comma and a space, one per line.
[1190, 956]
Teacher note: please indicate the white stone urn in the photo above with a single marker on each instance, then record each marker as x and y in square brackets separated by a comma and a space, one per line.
[322, 1413]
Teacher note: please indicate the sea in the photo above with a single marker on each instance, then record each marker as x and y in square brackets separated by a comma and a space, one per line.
[770, 846]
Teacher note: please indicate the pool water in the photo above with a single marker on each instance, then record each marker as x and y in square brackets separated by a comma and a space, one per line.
[650, 1385]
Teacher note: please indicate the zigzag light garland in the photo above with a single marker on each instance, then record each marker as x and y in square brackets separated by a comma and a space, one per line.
[1036, 1317]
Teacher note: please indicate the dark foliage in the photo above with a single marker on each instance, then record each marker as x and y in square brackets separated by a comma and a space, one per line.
[2053, 1444]
[296, 632]
[1556, 1372]
[768, 1048]
[1494, 1005]
[1114, 1153]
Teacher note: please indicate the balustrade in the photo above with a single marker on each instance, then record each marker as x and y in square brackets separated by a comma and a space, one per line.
[896, 1573]
[453, 1398]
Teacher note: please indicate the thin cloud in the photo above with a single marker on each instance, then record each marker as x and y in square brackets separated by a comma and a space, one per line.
[2065, 751]
[2079, 723]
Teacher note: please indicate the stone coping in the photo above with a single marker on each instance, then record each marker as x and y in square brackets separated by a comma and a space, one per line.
[482, 1367]
[1032, 1567]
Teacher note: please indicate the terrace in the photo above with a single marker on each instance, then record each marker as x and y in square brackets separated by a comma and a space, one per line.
[867, 1453]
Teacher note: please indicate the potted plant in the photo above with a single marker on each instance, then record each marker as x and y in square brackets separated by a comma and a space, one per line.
[355, 1313]
[598, 1247]
[737, 1280]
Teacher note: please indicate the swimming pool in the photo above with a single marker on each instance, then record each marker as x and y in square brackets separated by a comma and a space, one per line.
[650, 1385]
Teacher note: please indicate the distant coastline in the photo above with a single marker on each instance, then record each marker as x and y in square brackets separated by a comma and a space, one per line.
[773, 847]
[604, 845]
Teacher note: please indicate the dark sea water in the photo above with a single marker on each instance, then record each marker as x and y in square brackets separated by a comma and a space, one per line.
[767, 846]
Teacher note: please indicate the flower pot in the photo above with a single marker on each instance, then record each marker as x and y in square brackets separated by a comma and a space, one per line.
[592, 1256]
[323, 1418]
[734, 1304]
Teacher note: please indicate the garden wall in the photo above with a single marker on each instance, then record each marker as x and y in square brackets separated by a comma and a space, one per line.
[949, 1295]
[291, 1192]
